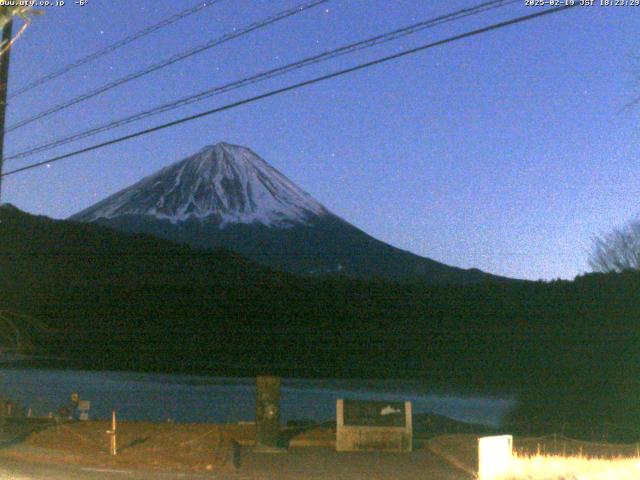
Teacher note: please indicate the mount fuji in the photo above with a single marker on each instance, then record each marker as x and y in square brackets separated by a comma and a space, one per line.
[227, 196]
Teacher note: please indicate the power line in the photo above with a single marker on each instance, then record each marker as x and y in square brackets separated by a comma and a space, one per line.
[295, 86]
[315, 59]
[170, 61]
[115, 46]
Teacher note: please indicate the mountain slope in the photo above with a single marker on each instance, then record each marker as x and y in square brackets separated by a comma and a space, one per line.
[225, 195]
[222, 184]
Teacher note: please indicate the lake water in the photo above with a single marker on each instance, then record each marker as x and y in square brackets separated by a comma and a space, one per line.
[189, 398]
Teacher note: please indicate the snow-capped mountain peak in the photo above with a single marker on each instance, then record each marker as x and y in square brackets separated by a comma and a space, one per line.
[222, 183]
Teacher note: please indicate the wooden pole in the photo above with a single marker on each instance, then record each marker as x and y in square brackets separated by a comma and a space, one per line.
[112, 433]
[4, 86]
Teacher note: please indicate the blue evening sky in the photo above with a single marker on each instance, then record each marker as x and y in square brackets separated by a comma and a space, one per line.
[506, 151]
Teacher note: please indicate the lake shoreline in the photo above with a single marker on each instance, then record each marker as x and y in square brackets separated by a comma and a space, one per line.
[207, 399]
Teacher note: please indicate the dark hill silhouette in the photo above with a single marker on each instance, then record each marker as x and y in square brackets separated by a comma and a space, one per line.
[114, 301]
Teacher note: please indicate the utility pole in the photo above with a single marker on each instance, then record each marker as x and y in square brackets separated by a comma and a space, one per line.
[4, 87]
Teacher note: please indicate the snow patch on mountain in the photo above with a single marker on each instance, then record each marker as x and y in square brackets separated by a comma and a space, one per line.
[222, 183]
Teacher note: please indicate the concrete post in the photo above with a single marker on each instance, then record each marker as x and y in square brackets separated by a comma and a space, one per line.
[268, 414]
[494, 456]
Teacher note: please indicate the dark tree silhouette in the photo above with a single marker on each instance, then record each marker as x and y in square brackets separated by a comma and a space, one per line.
[618, 250]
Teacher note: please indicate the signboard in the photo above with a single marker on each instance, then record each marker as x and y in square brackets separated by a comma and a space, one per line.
[83, 407]
[373, 425]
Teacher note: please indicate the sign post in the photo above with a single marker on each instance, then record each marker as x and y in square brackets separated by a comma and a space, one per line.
[83, 408]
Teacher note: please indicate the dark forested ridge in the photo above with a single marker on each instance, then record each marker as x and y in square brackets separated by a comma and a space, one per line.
[324, 245]
[112, 301]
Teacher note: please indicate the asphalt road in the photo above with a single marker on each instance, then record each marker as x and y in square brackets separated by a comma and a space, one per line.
[296, 464]
[17, 470]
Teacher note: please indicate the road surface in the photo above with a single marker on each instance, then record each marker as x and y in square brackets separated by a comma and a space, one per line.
[296, 464]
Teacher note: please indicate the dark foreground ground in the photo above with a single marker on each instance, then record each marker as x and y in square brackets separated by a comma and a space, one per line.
[46, 449]
[42, 449]
[300, 463]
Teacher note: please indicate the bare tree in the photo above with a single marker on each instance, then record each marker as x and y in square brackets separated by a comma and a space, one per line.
[618, 250]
